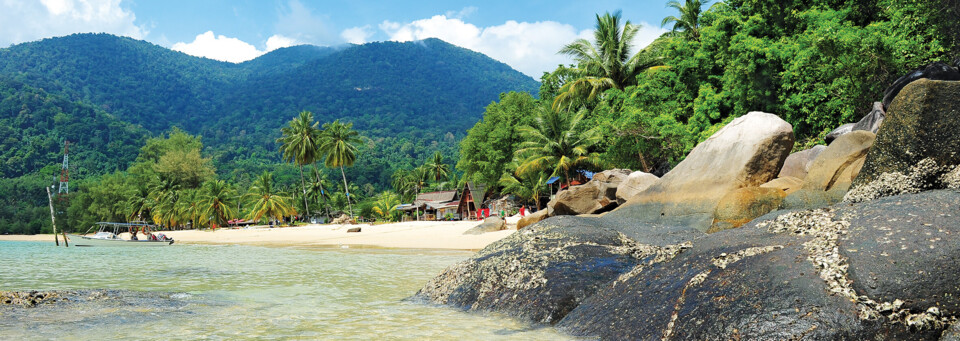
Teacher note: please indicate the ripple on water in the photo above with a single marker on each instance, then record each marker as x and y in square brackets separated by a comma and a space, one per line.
[243, 292]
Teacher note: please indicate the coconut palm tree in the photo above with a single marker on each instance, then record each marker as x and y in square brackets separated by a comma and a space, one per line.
[299, 145]
[188, 207]
[556, 143]
[138, 204]
[606, 63]
[338, 146]
[386, 204]
[689, 20]
[265, 201]
[216, 202]
[438, 169]
[319, 189]
[529, 188]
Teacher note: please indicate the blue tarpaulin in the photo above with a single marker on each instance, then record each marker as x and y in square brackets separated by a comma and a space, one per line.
[553, 179]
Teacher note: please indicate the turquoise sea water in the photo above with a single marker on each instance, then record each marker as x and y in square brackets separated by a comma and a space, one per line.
[243, 292]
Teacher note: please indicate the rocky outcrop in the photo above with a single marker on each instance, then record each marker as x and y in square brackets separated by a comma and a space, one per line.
[609, 182]
[596, 196]
[343, 219]
[747, 152]
[532, 218]
[933, 71]
[745, 204]
[873, 120]
[786, 184]
[798, 164]
[840, 131]
[839, 163]
[490, 224]
[635, 183]
[922, 122]
[883, 269]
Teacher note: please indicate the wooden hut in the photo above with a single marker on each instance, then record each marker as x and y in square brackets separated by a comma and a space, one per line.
[471, 197]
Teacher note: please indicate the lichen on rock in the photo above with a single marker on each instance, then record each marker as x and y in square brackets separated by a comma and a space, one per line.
[925, 175]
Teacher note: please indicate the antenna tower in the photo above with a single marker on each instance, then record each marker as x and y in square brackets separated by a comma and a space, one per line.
[64, 188]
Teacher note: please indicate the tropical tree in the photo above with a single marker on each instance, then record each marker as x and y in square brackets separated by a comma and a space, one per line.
[299, 145]
[188, 207]
[164, 194]
[319, 189]
[438, 169]
[217, 202]
[265, 201]
[402, 184]
[528, 188]
[139, 203]
[557, 143]
[386, 205]
[604, 64]
[338, 146]
[689, 20]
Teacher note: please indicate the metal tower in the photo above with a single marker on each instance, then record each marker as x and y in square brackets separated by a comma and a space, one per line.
[64, 173]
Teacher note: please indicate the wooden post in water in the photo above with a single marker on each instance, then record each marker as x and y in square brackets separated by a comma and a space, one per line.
[53, 219]
[65, 243]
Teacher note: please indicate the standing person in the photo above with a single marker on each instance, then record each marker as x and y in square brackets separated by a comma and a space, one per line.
[523, 211]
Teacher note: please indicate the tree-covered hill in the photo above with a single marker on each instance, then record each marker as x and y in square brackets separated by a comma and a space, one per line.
[396, 93]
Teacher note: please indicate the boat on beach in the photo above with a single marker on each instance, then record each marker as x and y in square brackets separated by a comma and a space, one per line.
[108, 234]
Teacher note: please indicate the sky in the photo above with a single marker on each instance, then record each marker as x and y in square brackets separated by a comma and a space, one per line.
[523, 34]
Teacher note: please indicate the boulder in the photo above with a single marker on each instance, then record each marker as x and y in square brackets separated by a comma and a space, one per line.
[609, 181]
[747, 152]
[531, 219]
[343, 219]
[786, 184]
[490, 224]
[635, 183]
[353, 230]
[922, 122]
[840, 131]
[872, 121]
[743, 205]
[798, 164]
[932, 71]
[581, 199]
[835, 166]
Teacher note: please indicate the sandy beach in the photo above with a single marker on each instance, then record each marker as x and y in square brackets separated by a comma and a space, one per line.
[409, 235]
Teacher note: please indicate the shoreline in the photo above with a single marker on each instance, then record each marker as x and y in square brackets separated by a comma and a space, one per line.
[427, 235]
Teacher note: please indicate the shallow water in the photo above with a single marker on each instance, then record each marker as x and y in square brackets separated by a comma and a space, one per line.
[242, 292]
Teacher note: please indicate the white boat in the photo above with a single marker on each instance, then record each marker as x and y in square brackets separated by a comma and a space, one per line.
[108, 235]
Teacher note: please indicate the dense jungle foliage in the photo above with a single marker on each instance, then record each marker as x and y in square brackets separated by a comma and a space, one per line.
[817, 64]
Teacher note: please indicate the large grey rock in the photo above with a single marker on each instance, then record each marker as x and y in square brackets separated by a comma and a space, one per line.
[798, 164]
[532, 218]
[922, 122]
[609, 182]
[838, 165]
[932, 71]
[490, 224]
[575, 200]
[840, 131]
[873, 120]
[635, 183]
[747, 152]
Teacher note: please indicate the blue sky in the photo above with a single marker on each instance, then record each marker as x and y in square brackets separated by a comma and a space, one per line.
[523, 34]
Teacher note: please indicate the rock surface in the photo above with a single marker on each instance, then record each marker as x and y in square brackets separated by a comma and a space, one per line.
[826, 274]
[574, 200]
[747, 152]
[932, 71]
[532, 218]
[843, 129]
[745, 204]
[922, 122]
[343, 219]
[873, 120]
[490, 224]
[635, 183]
[798, 164]
[786, 184]
[839, 164]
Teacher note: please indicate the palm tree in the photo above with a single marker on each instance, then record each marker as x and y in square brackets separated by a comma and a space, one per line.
[138, 204]
[386, 204]
[689, 20]
[605, 64]
[338, 146]
[437, 168]
[299, 144]
[556, 143]
[528, 187]
[216, 202]
[266, 201]
[318, 189]
[164, 195]
[188, 207]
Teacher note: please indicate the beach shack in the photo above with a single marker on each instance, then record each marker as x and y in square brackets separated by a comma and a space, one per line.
[432, 205]
[471, 197]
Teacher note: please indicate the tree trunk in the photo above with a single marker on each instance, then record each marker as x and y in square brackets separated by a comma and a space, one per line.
[53, 220]
[325, 205]
[346, 190]
[303, 185]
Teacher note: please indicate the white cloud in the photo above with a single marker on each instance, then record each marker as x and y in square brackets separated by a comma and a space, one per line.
[277, 41]
[22, 21]
[530, 48]
[357, 35]
[297, 21]
[223, 48]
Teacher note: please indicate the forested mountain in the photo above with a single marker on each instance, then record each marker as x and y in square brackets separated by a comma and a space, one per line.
[398, 94]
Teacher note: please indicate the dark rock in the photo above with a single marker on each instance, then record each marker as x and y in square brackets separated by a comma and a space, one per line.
[353, 229]
[922, 122]
[906, 248]
[840, 131]
[933, 71]
[810, 199]
[490, 224]
[952, 333]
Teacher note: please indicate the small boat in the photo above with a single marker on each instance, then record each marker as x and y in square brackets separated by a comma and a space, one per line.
[108, 234]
